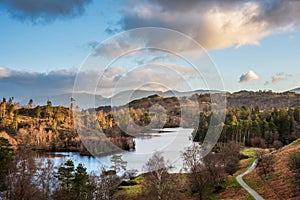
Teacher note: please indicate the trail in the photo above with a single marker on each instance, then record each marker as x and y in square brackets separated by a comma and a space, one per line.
[240, 180]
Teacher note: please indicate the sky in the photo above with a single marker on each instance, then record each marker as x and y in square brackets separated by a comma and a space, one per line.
[46, 44]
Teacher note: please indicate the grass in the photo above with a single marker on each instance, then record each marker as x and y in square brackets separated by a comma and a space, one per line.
[232, 189]
[277, 184]
[250, 152]
[132, 191]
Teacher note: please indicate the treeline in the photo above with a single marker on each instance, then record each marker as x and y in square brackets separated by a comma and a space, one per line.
[255, 127]
[52, 128]
[41, 127]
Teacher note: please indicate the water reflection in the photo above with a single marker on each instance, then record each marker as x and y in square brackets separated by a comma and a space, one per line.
[171, 142]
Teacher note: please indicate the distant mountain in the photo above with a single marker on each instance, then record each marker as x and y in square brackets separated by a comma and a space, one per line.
[296, 90]
[125, 97]
[86, 100]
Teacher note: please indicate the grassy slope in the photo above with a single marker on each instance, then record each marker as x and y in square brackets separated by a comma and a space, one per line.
[232, 189]
[277, 185]
[135, 192]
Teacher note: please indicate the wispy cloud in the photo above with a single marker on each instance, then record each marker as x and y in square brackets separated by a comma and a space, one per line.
[43, 11]
[248, 77]
[278, 77]
[215, 23]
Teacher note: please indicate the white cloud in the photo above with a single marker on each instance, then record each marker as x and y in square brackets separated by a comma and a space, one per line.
[4, 72]
[248, 77]
[276, 78]
[154, 76]
[216, 23]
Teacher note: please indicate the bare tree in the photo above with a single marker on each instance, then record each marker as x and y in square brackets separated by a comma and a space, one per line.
[265, 163]
[46, 178]
[194, 166]
[158, 183]
[230, 156]
[106, 183]
[22, 179]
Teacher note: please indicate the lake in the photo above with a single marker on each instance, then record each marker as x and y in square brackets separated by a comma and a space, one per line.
[171, 142]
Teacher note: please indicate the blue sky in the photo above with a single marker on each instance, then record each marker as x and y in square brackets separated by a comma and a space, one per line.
[254, 44]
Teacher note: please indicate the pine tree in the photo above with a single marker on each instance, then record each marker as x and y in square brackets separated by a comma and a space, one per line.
[5, 158]
[82, 187]
[66, 175]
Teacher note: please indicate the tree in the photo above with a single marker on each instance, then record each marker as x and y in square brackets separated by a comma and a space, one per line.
[21, 179]
[106, 184]
[82, 187]
[46, 178]
[72, 103]
[30, 103]
[10, 100]
[15, 123]
[65, 175]
[38, 112]
[118, 163]
[265, 163]
[49, 110]
[158, 183]
[49, 103]
[6, 152]
[230, 154]
[193, 164]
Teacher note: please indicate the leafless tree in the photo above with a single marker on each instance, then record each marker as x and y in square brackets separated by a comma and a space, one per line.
[22, 179]
[265, 163]
[158, 183]
[46, 178]
[194, 165]
[106, 183]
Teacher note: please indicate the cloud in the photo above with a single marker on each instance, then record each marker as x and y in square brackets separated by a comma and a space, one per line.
[4, 72]
[278, 77]
[21, 83]
[248, 77]
[216, 23]
[38, 11]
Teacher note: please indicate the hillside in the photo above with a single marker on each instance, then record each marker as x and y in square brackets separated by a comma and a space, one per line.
[53, 128]
[279, 183]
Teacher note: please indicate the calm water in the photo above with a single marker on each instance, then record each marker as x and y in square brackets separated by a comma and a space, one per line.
[171, 144]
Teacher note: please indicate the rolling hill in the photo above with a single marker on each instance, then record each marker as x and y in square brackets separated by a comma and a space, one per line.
[279, 183]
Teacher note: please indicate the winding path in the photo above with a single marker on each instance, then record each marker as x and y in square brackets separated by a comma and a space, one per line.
[240, 180]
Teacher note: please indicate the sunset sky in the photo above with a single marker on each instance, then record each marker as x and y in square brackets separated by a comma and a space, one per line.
[254, 44]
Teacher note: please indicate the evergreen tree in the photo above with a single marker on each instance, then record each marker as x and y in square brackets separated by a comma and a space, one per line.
[66, 175]
[82, 187]
[5, 158]
[118, 163]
